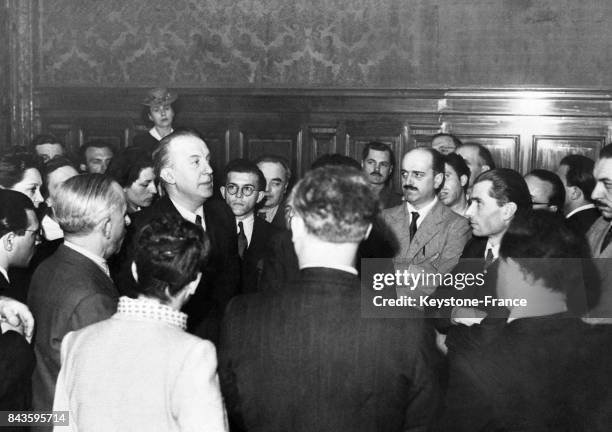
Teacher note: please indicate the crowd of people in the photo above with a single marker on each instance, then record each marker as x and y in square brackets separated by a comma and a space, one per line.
[138, 294]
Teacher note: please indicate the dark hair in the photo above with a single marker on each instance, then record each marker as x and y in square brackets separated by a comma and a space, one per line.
[53, 165]
[580, 173]
[161, 157]
[13, 216]
[378, 146]
[557, 196]
[169, 252]
[336, 203]
[460, 167]
[507, 186]
[45, 139]
[247, 167]
[126, 167]
[14, 165]
[96, 143]
[335, 159]
[606, 152]
[539, 234]
[278, 160]
[483, 153]
[455, 139]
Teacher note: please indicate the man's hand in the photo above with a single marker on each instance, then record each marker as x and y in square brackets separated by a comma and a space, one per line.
[16, 315]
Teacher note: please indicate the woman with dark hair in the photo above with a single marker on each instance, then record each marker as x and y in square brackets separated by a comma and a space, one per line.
[158, 109]
[133, 170]
[20, 171]
[139, 369]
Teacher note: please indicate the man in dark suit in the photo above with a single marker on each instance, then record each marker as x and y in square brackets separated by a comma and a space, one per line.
[243, 188]
[182, 163]
[498, 195]
[278, 174]
[576, 173]
[529, 373]
[377, 162]
[303, 358]
[431, 235]
[19, 230]
[72, 288]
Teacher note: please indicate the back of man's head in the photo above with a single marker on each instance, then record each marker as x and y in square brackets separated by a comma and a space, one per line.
[507, 185]
[483, 153]
[545, 248]
[336, 204]
[83, 201]
[13, 216]
[579, 174]
[556, 195]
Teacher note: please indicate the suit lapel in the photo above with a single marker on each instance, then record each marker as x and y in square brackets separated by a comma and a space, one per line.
[427, 229]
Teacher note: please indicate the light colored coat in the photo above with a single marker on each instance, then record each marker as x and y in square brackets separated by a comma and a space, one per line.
[437, 244]
[125, 374]
[602, 312]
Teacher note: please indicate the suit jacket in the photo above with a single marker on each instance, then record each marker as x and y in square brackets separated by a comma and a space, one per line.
[129, 373]
[303, 359]
[253, 260]
[389, 198]
[437, 244]
[221, 273]
[595, 236]
[16, 366]
[532, 374]
[583, 220]
[68, 292]
[279, 220]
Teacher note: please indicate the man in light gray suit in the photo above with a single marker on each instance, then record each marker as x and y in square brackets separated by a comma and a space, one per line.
[431, 236]
[600, 234]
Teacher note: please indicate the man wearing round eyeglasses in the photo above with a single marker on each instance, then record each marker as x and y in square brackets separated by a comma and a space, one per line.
[244, 187]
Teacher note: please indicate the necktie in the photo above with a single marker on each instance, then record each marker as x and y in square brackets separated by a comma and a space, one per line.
[242, 240]
[606, 240]
[198, 221]
[489, 258]
[413, 224]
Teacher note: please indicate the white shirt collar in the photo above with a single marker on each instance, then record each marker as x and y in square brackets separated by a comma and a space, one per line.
[189, 215]
[422, 212]
[345, 268]
[156, 134]
[5, 274]
[247, 225]
[579, 209]
[98, 260]
[494, 248]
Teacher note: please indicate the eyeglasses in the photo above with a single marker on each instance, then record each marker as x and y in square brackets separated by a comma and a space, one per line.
[246, 190]
[38, 233]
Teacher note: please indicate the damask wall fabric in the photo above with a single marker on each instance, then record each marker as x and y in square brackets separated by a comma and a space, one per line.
[324, 43]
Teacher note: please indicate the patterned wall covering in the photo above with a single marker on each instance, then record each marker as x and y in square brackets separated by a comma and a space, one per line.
[324, 43]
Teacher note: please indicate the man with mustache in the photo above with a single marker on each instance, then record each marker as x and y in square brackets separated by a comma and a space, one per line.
[600, 234]
[182, 163]
[431, 236]
[377, 162]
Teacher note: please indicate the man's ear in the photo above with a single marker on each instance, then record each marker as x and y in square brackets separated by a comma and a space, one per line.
[508, 211]
[134, 271]
[167, 175]
[8, 241]
[438, 179]
[485, 168]
[463, 180]
[83, 167]
[222, 189]
[260, 196]
[107, 227]
[575, 193]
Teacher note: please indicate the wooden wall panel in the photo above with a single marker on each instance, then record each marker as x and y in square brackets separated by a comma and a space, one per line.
[304, 124]
[549, 150]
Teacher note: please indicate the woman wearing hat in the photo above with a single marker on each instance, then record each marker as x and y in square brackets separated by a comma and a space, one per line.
[159, 110]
